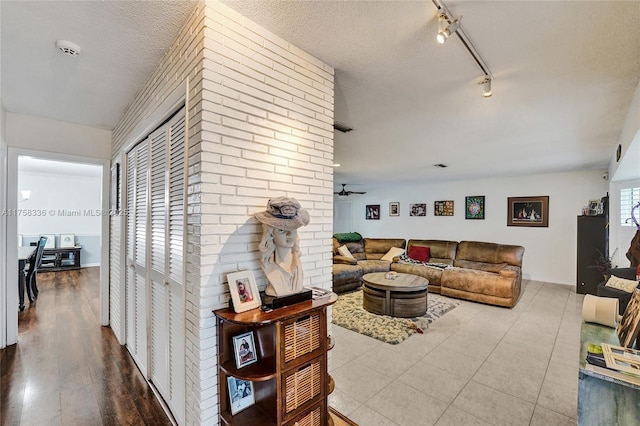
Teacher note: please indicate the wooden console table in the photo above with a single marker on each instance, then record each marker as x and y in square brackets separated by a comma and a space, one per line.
[60, 259]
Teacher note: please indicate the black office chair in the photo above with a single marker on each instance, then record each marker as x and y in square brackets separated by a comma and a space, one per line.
[32, 270]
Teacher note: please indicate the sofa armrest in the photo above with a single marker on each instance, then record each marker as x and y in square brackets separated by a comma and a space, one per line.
[345, 260]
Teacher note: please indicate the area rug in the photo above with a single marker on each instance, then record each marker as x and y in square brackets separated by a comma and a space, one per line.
[349, 313]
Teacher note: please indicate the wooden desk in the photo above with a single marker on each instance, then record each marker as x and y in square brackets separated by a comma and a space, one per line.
[24, 253]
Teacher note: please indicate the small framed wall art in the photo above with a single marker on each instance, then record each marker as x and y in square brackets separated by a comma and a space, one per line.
[394, 209]
[443, 208]
[244, 291]
[373, 212]
[528, 211]
[419, 209]
[474, 207]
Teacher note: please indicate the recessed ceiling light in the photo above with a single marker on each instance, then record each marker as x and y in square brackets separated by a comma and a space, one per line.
[336, 164]
[68, 47]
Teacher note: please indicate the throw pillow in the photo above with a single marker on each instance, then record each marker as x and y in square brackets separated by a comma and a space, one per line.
[344, 251]
[622, 284]
[420, 253]
[393, 252]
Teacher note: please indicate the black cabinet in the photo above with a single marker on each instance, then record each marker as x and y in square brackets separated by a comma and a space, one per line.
[60, 259]
[593, 243]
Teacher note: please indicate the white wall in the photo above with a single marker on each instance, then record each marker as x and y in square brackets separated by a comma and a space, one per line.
[550, 253]
[41, 134]
[3, 228]
[629, 166]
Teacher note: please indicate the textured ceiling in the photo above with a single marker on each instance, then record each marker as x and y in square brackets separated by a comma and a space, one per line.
[565, 74]
[121, 42]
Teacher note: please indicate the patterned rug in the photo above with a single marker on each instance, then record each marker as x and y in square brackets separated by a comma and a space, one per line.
[349, 313]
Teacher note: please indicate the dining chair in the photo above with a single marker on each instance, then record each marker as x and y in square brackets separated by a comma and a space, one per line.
[32, 269]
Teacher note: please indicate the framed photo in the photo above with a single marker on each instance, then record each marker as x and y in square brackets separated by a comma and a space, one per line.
[419, 209]
[240, 394]
[394, 209]
[528, 211]
[115, 187]
[244, 291]
[474, 207]
[67, 240]
[244, 348]
[621, 358]
[628, 327]
[51, 241]
[443, 208]
[373, 212]
[593, 207]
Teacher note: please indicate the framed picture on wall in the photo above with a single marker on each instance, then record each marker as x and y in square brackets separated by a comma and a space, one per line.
[373, 212]
[418, 209]
[443, 208]
[474, 207]
[394, 209]
[528, 211]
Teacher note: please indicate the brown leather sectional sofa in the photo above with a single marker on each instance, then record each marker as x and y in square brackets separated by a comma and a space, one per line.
[478, 271]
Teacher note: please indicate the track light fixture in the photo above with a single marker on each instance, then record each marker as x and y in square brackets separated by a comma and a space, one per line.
[448, 26]
[486, 87]
[445, 32]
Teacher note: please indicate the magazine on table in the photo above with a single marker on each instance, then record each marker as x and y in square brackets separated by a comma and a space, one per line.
[319, 293]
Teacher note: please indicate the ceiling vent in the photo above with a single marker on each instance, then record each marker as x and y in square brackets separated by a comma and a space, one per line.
[68, 48]
[342, 127]
[440, 165]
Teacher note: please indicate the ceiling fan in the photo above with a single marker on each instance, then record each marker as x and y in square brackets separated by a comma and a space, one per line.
[345, 193]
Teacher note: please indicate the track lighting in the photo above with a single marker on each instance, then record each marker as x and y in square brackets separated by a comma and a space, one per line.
[486, 87]
[445, 32]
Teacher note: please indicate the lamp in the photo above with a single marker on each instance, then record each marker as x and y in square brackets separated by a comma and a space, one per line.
[486, 87]
[445, 32]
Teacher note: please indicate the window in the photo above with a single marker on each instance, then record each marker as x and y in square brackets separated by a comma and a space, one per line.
[629, 197]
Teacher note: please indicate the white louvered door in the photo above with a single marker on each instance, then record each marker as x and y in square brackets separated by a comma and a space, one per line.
[137, 181]
[163, 237]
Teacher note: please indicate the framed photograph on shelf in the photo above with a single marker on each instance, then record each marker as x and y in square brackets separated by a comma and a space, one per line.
[443, 208]
[67, 240]
[528, 211]
[240, 394]
[244, 348]
[419, 209]
[394, 209]
[474, 207]
[373, 212]
[593, 207]
[244, 291]
[628, 327]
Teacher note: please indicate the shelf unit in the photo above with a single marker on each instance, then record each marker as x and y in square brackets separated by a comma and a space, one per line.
[60, 259]
[593, 240]
[290, 378]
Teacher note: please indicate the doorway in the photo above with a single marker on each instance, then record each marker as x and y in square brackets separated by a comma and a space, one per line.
[56, 204]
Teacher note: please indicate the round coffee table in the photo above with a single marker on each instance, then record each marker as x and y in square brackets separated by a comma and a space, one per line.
[405, 296]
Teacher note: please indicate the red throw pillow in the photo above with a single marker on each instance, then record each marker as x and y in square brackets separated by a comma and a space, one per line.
[420, 253]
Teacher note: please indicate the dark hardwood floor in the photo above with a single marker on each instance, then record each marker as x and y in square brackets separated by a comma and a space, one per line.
[68, 370]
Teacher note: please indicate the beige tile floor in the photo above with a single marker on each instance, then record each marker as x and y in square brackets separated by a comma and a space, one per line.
[477, 365]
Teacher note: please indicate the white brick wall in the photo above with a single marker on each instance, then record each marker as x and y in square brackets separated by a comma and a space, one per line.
[261, 116]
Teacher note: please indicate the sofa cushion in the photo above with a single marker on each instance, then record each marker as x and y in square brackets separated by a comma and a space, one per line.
[432, 273]
[477, 251]
[621, 284]
[393, 252]
[473, 281]
[420, 253]
[344, 251]
[480, 266]
[375, 248]
[371, 265]
[440, 251]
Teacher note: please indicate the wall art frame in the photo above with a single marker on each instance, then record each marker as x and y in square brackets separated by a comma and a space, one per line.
[394, 209]
[474, 207]
[528, 211]
[372, 212]
[443, 208]
[418, 209]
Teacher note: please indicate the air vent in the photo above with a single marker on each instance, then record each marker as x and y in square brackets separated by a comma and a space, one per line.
[442, 166]
[342, 127]
[68, 48]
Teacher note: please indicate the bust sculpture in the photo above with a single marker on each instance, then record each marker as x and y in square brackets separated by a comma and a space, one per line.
[279, 246]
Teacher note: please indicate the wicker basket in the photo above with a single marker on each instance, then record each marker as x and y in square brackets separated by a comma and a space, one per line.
[301, 337]
[313, 418]
[302, 385]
